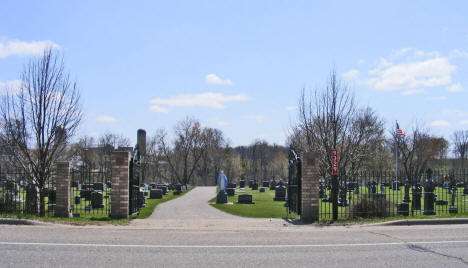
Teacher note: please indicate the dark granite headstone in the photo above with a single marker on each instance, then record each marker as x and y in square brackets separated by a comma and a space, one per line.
[156, 194]
[441, 202]
[254, 186]
[96, 199]
[280, 193]
[262, 190]
[98, 186]
[403, 209]
[141, 201]
[221, 198]
[77, 200]
[266, 184]
[416, 194]
[244, 199]
[429, 195]
[241, 184]
[231, 191]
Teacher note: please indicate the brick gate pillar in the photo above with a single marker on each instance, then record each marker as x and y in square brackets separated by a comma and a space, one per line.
[62, 187]
[120, 176]
[310, 187]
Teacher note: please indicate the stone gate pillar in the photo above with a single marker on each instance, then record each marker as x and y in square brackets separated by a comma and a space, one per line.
[310, 187]
[119, 182]
[62, 187]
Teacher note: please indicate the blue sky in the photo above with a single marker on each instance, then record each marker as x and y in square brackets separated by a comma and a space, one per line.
[240, 65]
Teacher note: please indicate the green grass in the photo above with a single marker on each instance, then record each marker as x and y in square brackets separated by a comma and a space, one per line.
[99, 216]
[264, 206]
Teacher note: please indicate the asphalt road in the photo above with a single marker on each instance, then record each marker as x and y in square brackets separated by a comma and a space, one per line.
[248, 243]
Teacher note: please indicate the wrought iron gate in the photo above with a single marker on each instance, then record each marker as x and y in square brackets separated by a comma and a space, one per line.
[294, 183]
[134, 183]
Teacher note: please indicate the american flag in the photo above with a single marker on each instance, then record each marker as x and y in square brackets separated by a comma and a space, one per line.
[400, 132]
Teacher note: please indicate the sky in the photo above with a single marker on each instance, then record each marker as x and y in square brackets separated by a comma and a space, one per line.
[240, 66]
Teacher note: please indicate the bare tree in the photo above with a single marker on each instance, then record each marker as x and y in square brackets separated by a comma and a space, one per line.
[330, 119]
[40, 118]
[460, 144]
[416, 151]
[185, 152]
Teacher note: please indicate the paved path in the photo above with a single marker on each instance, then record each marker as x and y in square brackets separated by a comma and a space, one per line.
[192, 211]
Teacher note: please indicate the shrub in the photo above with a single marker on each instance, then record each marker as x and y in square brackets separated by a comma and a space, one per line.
[371, 207]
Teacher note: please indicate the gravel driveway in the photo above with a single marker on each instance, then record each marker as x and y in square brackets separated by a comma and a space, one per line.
[192, 211]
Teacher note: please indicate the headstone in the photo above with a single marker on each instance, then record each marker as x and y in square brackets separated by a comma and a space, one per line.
[31, 199]
[406, 197]
[266, 184]
[254, 186]
[403, 209]
[162, 188]
[141, 201]
[372, 186]
[156, 194]
[416, 194]
[231, 191]
[244, 199]
[342, 202]
[429, 195]
[98, 186]
[96, 199]
[177, 189]
[231, 185]
[272, 185]
[221, 197]
[241, 184]
[251, 183]
[441, 202]
[262, 189]
[77, 200]
[280, 193]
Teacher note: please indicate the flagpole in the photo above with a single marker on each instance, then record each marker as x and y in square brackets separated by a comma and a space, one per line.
[396, 161]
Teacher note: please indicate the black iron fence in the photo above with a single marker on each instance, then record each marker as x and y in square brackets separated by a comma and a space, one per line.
[385, 194]
[90, 192]
[19, 195]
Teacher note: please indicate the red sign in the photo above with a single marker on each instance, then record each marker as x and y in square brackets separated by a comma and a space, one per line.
[334, 160]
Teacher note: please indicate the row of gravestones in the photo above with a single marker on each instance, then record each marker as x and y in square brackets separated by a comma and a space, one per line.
[403, 207]
[279, 188]
[157, 191]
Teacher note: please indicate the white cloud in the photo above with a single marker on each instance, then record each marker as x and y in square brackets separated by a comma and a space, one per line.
[360, 62]
[352, 74]
[455, 88]
[158, 109]
[106, 119]
[426, 73]
[439, 123]
[413, 92]
[208, 99]
[215, 80]
[10, 87]
[463, 122]
[258, 118]
[458, 54]
[223, 123]
[9, 47]
[291, 108]
[454, 112]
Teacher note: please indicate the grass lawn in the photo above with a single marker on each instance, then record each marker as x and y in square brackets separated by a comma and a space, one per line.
[264, 206]
[99, 217]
